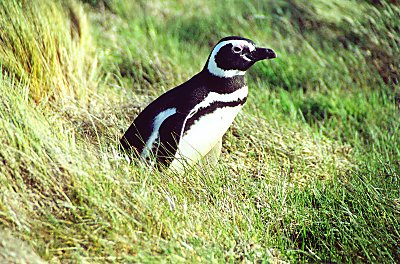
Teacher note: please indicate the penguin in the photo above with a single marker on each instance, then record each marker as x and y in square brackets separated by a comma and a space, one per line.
[188, 122]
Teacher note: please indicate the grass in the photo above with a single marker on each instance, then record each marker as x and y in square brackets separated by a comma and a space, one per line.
[309, 171]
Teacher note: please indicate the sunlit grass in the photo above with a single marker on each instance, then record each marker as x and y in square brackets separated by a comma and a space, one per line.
[309, 170]
[47, 44]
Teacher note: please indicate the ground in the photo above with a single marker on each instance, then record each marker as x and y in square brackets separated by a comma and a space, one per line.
[309, 170]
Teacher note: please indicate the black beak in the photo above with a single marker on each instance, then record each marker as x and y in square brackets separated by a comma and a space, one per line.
[262, 54]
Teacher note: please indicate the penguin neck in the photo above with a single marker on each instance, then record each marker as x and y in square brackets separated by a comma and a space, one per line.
[223, 84]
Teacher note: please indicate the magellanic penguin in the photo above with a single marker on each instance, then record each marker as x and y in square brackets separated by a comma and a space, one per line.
[187, 123]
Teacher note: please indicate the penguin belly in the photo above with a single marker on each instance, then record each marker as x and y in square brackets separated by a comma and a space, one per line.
[203, 135]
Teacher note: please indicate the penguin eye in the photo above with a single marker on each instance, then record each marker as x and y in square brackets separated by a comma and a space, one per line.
[237, 49]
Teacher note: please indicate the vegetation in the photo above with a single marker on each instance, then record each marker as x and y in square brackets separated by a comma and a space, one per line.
[309, 171]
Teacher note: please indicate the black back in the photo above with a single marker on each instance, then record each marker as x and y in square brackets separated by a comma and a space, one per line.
[183, 97]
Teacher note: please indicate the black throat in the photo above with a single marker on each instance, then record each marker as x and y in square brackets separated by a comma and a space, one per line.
[222, 85]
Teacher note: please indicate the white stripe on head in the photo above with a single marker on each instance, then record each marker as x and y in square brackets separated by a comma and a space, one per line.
[158, 120]
[245, 57]
[212, 65]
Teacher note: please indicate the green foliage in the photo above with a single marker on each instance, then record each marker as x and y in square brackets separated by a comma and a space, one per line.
[310, 168]
[46, 44]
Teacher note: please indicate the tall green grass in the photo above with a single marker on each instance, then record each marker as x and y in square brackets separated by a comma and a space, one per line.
[48, 45]
[309, 170]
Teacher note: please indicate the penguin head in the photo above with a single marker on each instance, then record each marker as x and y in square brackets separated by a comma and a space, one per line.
[233, 55]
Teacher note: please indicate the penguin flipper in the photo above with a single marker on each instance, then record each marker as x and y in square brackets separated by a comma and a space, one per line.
[131, 142]
[169, 136]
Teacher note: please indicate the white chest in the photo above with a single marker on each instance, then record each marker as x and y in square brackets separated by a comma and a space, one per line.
[203, 135]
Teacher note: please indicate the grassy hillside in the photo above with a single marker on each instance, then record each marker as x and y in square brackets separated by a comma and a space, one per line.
[309, 171]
